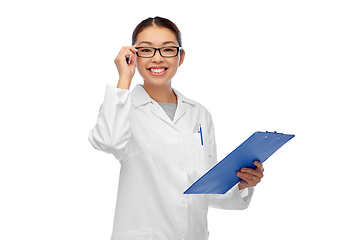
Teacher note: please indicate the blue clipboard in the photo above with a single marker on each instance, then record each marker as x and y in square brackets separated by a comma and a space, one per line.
[222, 177]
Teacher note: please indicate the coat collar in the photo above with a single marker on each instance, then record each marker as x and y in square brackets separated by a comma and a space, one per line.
[140, 97]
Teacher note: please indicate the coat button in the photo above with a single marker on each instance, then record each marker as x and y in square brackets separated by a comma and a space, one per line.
[182, 201]
[181, 167]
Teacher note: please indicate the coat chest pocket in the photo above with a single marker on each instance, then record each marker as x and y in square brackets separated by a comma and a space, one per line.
[201, 152]
[146, 234]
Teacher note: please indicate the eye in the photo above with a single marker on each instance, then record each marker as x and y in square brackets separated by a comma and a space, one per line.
[169, 49]
[145, 50]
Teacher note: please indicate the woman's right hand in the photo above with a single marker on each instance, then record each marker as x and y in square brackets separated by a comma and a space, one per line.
[126, 71]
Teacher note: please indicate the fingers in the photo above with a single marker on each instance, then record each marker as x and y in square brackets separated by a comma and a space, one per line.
[252, 176]
[259, 166]
[251, 179]
[258, 172]
[126, 67]
[127, 51]
[132, 54]
[133, 48]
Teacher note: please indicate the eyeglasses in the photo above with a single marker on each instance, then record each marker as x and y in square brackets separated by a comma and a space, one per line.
[149, 52]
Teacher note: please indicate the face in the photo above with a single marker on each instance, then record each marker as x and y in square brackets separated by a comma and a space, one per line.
[158, 37]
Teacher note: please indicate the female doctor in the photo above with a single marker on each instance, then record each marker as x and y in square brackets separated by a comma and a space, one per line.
[154, 132]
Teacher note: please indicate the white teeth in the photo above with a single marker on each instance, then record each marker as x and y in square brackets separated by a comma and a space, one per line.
[157, 70]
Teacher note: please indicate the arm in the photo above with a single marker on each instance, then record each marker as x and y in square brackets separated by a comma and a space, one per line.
[112, 130]
[111, 133]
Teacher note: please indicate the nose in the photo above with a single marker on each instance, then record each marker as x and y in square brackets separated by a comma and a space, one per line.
[157, 57]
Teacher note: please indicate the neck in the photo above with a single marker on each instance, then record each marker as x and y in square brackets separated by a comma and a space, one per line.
[163, 93]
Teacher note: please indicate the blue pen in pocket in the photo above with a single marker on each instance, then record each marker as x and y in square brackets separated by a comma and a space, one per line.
[200, 131]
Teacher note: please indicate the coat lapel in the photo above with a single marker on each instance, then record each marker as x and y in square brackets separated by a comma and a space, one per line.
[140, 97]
[183, 104]
[160, 113]
[180, 111]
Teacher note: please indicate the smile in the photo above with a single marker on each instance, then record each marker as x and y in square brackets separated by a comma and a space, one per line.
[157, 71]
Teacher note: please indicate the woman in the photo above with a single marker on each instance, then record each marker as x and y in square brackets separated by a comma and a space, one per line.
[153, 132]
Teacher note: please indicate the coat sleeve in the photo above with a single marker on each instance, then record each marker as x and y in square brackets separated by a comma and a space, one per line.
[111, 132]
[234, 199]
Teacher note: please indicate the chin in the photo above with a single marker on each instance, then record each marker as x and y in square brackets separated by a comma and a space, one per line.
[157, 80]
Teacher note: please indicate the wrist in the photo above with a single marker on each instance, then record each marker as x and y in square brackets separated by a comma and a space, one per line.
[124, 83]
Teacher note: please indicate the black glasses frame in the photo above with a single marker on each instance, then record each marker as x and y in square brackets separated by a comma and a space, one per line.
[158, 49]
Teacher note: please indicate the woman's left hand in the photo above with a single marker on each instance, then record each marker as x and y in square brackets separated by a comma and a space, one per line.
[250, 177]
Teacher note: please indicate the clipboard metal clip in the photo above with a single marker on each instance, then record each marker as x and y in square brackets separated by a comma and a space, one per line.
[274, 132]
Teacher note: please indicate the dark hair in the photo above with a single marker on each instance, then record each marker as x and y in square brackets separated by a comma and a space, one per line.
[156, 21]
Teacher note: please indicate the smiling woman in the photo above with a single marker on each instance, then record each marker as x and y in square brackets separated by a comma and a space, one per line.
[153, 132]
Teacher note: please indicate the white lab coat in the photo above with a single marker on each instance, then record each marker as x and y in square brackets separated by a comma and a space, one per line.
[160, 159]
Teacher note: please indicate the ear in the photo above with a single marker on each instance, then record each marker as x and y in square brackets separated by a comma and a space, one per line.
[182, 57]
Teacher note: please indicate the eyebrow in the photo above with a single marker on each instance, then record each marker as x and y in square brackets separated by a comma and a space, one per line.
[164, 43]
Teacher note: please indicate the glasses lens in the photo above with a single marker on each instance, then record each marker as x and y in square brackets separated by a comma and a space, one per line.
[169, 51]
[146, 52]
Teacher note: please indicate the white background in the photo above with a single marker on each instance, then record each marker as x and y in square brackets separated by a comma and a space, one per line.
[289, 66]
